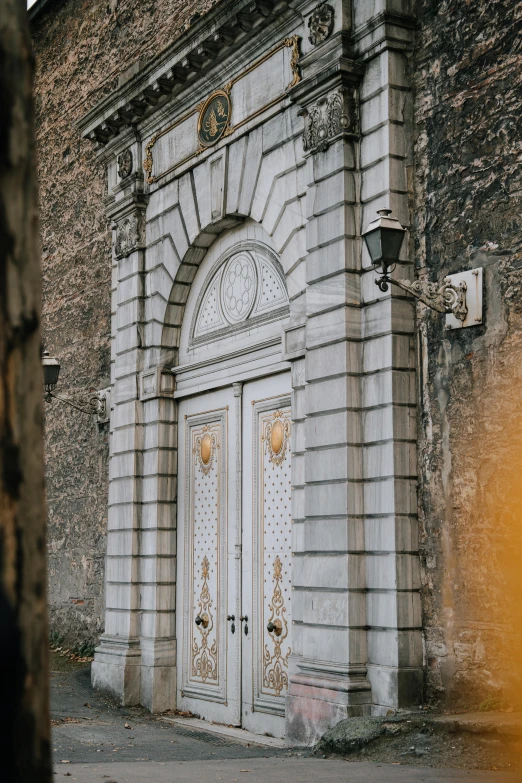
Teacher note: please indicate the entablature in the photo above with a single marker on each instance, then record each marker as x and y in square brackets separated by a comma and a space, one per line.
[207, 44]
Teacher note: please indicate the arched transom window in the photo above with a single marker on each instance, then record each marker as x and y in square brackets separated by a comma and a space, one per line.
[245, 287]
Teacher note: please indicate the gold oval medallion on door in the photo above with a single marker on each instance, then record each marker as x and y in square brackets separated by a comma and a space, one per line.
[206, 449]
[277, 437]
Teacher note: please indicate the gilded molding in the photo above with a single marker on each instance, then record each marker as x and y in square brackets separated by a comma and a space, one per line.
[294, 60]
[204, 658]
[275, 664]
[330, 117]
[148, 162]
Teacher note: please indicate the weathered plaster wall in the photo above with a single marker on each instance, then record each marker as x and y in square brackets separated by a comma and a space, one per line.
[81, 48]
[468, 183]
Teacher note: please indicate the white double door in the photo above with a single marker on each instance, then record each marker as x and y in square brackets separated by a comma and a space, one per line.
[234, 554]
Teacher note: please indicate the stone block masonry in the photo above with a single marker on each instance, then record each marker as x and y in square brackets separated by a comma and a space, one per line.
[406, 434]
[82, 50]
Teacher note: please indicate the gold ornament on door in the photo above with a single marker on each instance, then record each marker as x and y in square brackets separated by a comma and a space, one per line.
[277, 437]
[204, 658]
[205, 450]
[275, 675]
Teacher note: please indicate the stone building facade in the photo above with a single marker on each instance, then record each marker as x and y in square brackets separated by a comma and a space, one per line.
[298, 505]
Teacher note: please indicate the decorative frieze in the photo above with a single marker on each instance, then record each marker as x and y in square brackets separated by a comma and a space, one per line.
[256, 88]
[196, 55]
[320, 23]
[331, 116]
[130, 234]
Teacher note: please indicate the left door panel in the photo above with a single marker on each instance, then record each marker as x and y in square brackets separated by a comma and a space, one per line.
[208, 652]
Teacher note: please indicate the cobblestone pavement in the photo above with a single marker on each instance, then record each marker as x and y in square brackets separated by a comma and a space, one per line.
[96, 741]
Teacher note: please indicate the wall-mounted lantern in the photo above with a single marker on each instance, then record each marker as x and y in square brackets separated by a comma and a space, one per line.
[51, 371]
[384, 237]
[97, 404]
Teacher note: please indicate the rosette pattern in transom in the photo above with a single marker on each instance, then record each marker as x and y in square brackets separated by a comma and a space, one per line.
[246, 286]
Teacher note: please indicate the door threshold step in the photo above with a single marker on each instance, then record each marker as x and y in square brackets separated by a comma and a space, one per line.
[246, 737]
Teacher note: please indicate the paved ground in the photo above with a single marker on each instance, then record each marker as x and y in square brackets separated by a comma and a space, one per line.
[95, 741]
[88, 728]
[272, 770]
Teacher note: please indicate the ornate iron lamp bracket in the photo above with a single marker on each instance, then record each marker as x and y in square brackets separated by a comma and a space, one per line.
[95, 405]
[445, 298]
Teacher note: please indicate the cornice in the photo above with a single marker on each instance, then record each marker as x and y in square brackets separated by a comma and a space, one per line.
[219, 33]
[330, 65]
[387, 30]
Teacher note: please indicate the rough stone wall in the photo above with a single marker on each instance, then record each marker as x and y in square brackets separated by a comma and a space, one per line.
[81, 47]
[468, 187]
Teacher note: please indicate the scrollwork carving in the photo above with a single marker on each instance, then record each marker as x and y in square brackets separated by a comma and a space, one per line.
[443, 298]
[130, 234]
[333, 115]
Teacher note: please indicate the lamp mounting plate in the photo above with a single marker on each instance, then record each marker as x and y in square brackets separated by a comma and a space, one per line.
[474, 282]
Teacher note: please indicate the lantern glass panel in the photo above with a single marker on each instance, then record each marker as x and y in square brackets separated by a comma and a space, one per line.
[51, 371]
[391, 243]
[374, 245]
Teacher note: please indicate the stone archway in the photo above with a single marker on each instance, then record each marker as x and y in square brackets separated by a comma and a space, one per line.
[173, 229]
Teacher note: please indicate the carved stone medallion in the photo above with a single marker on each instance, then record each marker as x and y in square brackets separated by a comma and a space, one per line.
[320, 23]
[214, 118]
[130, 234]
[125, 164]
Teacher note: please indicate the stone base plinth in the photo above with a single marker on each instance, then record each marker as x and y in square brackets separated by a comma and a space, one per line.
[316, 702]
[394, 688]
[158, 674]
[117, 668]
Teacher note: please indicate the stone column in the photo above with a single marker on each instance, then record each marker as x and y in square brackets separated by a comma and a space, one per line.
[356, 563]
[157, 551]
[389, 391]
[330, 682]
[116, 666]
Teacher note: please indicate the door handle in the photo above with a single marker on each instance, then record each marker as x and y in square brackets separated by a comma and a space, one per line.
[203, 620]
[245, 618]
[275, 626]
[232, 617]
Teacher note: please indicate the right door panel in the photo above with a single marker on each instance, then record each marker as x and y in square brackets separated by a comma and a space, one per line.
[266, 552]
